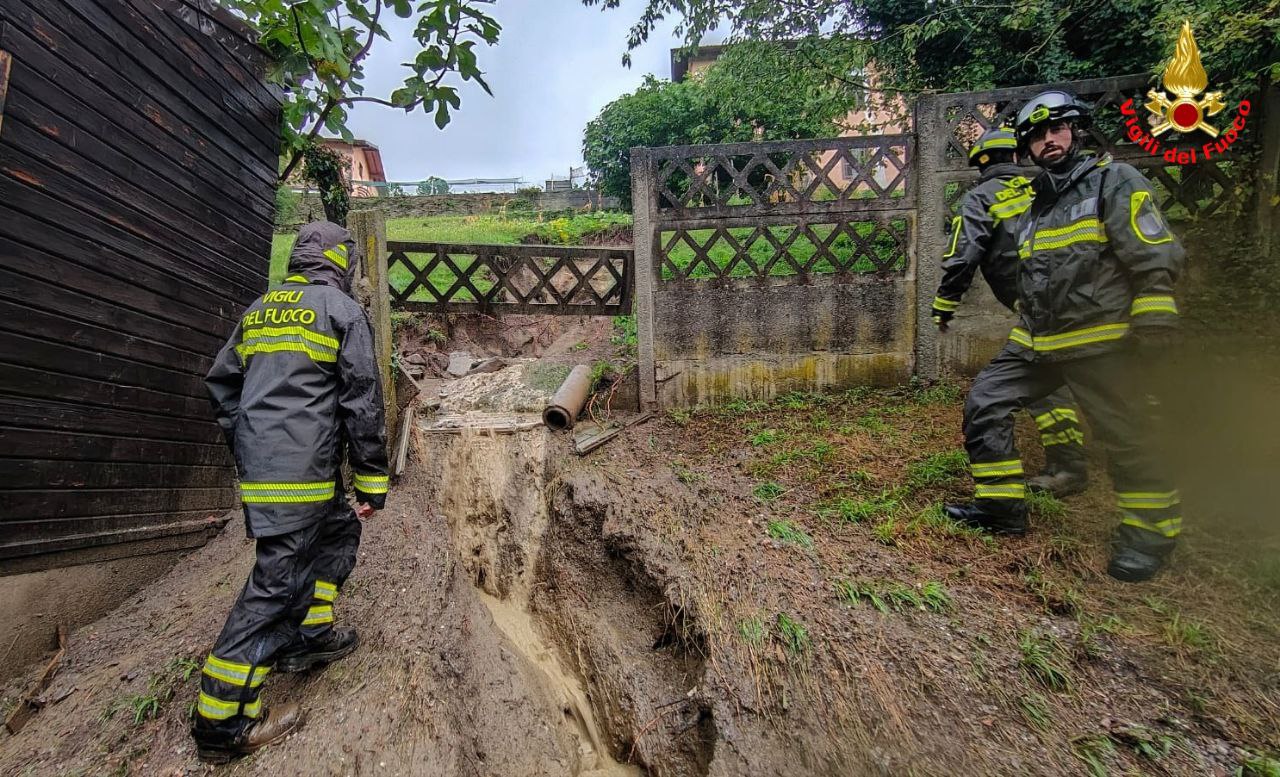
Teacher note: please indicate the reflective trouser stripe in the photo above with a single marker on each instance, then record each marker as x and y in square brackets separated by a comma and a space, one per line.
[220, 709]
[949, 305]
[1073, 436]
[318, 615]
[1155, 303]
[1000, 491]
[1154, 511]
[233, 673]
[995, 469]
[1057, 415]
[325, 591]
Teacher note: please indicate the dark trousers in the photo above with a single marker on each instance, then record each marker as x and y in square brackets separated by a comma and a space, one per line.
[1058, 420]
[289, 596]
[1111, 392]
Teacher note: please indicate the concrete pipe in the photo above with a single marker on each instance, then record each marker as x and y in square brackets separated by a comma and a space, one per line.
[568, 399]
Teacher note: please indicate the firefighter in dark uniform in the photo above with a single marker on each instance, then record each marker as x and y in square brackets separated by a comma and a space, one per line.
[1096, 273]
[982, 238]
[295, 386]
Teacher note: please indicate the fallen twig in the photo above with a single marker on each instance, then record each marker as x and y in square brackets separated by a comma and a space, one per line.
[652, 722]
[28, 706]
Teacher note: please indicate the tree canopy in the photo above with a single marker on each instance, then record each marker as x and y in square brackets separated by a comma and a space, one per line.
[920, 45]
[755, 91]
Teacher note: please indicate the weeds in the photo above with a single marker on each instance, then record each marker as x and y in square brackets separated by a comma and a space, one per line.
[871, 422]
[160, 689]
[766, 437]
[753, 631]
[1094, 751]
[892, 596]
[1190, 635]
[1035, 708]
[1091, 629]
[624, 331]
[938, 469]
[1056, 599]
[789, 532]
[937, 394]
[801, 400]
[859, 510]
[680, 416]
[686, 475]
[1044, 661]
[795, 637]
[1258, 765]
[767, 492]
[1045, 505]
[886, 532]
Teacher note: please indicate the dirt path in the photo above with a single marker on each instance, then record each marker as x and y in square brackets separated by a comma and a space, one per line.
[763, 589]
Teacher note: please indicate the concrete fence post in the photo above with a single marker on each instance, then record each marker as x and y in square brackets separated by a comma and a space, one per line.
[644, 212]
[930, 231]
[369, 229]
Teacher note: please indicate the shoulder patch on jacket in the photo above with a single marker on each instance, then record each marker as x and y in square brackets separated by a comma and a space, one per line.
[1145, 219]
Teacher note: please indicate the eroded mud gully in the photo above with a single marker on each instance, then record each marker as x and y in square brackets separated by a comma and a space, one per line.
[616, 664]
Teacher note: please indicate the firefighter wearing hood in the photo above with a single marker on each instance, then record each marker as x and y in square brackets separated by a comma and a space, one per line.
[294, 389]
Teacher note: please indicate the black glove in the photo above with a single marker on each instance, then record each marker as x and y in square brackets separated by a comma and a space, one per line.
[942, 317]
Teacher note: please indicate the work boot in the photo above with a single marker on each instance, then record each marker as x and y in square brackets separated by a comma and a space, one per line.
[975, 516]
[307, 652]
[218, 745]
[1061, 483]
[1131, 565]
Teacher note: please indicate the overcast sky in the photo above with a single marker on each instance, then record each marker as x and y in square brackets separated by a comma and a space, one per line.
[556, 65]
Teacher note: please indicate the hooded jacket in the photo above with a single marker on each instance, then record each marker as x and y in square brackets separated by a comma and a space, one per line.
[982, 237]
[1096, 261]
[295, 384]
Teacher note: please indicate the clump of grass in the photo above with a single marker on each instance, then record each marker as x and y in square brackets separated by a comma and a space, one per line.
[1055, 598]
[1045, 505]
[859, 510]
[1044, 661]
[886, 532]
[1265, 571]
[789, 532]
[1190, 635]
[680, 416]
[686, 475]
[753, 631]
[160, 689]
[1035, 708]
[940, 393]
[892, 596]
[801, 400]
[795, 637]
[739, 407]
[1094, 751]
[766, 437]
[767, 492]
[1258, 765]
[871, 422]
[938, 469]
[1091, 630]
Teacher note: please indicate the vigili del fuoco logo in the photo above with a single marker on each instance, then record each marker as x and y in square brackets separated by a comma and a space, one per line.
[1185, 107]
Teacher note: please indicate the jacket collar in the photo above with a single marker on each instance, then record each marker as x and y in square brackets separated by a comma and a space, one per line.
[1053, 184]
[1002, 170]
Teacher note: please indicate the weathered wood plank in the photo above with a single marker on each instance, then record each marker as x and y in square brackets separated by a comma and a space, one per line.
[46, 473]
[31, 506]
[161, 525]
[136, 116]
[50, 414]
[73, 447]
[36, 382]
[71, 360]
[5, 61]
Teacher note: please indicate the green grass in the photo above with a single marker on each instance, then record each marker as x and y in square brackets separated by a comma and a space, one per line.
[1035, 709]
[794, 636]
[858, 510]
[1044, 661]
[753, 631]
[766, 437]
[1258, 765]
[767, 492]
[1094, 752]
[938, 469]
[789, 532]
[892, 596]
[1190, 635]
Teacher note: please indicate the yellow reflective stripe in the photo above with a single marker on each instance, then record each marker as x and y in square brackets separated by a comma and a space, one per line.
[371, 484]
[1087, 336]
[253, 349]
[285, 493]
[303, 332]
[1063, 437]
[233, 673]
[1010, 208]
[1170, 528]
[1135, 204]
[993, 143]
[325, 592]
[993, 469]
[297, 279]
[319, 614]
[220, 709]
[955, 237]
[1087, 223]
[1001, 491]
[1155, 303]
[1147, 500]
[946, 304]
[337, 255]
[1045, 420]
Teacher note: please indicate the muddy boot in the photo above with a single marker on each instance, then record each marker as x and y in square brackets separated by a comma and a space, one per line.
[310, 652]
[1060, 483]
[218, 744]
[975, 516]
[1130, 565]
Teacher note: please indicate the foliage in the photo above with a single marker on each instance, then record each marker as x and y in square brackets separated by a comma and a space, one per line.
[573, 230]
[325, 168]
[318, 49]
[918, 46]
[789, 532]
[1044, 660]
[433, 185]
[794, 636]
[287, 201]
